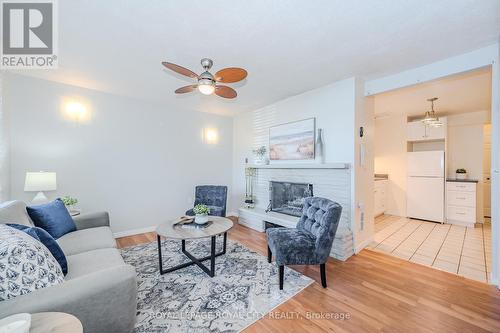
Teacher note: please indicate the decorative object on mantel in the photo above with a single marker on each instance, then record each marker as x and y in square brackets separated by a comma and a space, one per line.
[292, 141]
[461, 174]
[249, 174]
[260, 155]
[320, 146]
[201, 212]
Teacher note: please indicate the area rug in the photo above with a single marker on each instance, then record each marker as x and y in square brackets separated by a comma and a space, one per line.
[244, 289]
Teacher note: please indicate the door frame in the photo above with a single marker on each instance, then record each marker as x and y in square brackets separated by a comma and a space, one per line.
[478, 59]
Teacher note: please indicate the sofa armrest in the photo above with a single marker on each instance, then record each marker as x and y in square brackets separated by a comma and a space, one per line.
[91, 220]
[104, 301]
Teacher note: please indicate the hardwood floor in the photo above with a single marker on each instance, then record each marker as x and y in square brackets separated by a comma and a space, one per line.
[375, 293]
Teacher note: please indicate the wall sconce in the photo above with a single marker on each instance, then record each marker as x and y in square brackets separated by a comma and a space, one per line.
[75, 111]
[210, 136]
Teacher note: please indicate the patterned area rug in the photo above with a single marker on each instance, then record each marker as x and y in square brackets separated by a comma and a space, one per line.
[244, 289]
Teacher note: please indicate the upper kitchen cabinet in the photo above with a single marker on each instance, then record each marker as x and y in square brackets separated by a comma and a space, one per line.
[418, 131]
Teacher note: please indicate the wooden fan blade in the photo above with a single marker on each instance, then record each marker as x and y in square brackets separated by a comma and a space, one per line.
[230, 75]
[180, 69]
[225, 91]
[186, 89]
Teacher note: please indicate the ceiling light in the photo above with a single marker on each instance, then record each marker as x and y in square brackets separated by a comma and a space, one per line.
[206, 87]
[431, 119]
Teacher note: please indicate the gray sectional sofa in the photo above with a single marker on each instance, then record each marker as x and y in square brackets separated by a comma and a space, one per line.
[99, 289]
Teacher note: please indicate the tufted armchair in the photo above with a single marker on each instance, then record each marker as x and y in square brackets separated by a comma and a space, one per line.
[311, 242]
[213, 196]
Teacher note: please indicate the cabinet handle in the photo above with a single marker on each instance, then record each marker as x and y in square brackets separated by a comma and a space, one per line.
[461, 198]
[460, 213]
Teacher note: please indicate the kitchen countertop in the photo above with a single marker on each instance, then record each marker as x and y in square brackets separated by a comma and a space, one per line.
[462, 180]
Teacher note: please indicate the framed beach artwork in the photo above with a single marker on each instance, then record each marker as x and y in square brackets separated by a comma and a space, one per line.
[292, 141]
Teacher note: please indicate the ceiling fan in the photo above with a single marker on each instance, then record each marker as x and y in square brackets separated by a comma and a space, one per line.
[207, 83]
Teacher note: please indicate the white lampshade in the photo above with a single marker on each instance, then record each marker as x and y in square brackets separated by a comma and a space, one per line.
[40, 181]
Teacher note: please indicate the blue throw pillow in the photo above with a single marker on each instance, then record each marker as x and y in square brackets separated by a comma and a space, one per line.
[46, 239]
[53, 217]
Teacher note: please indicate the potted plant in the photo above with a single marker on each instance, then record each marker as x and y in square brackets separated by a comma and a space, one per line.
[201, 212]
[461, 174]
[69, 202]
[260, 153]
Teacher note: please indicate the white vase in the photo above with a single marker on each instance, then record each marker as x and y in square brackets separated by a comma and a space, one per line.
[461, 176]
[320, 146]
[201, 218]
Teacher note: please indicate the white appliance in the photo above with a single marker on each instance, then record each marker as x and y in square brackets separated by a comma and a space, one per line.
[426, 186]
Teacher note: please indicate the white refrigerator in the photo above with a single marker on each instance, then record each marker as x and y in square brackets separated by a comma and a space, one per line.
[426, 186]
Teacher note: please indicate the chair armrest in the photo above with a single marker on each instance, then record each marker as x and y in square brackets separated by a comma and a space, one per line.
[104, 301]
[91, 220]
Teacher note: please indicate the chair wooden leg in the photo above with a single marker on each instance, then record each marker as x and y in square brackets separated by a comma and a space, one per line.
[323, 275]
[282, 273]
[269, 255]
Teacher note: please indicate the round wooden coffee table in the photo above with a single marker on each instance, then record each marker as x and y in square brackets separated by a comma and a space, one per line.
[173, 230]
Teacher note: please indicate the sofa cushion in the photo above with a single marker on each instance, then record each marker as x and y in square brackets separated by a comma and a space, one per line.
[92, 261]
[25, 264]
[86, 240]
[14, 212]
[46, 239]
[52, 217]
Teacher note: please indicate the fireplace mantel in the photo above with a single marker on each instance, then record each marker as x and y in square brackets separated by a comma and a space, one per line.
[300, 166]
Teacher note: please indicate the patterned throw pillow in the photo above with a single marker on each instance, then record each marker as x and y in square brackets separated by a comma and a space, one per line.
[25, 264]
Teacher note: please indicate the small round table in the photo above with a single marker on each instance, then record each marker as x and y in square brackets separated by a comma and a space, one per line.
[173, 230]
[55, 322]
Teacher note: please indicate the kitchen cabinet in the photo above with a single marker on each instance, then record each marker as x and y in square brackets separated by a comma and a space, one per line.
[418, 131]
[461, 203]
[380, 197]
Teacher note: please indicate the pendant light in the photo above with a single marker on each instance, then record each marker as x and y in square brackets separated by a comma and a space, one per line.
[431, 119]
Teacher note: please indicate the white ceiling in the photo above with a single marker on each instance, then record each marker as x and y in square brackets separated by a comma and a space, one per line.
[287, 46]
[468, 92]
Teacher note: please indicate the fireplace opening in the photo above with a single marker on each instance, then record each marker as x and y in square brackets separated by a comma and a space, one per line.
[288, 198]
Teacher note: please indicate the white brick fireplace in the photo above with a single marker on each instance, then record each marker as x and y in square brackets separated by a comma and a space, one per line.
[332, 181]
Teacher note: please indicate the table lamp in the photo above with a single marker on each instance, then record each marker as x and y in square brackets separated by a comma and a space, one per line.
[39, 182]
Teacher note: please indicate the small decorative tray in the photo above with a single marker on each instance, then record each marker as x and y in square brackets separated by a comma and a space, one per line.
[188, 223]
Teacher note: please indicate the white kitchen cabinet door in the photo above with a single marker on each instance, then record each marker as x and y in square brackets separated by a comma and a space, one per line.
[416, 131]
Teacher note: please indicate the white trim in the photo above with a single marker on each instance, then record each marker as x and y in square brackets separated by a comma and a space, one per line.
[300, 166]
[454, 65]
[236, 214]
[495, 167]
[363, 244]
[132, 232]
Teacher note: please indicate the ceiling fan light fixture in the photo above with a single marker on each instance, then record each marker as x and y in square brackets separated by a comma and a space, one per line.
[206, 87]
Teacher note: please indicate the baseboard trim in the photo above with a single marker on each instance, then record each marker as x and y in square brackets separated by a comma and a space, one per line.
[232, 214]
[363, 245]
[133, 232]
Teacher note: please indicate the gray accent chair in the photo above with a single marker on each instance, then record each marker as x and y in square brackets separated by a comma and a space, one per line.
[213, 196]
[311, 242]
[99, 289]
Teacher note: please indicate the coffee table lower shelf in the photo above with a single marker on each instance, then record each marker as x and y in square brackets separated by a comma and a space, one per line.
[198, 261]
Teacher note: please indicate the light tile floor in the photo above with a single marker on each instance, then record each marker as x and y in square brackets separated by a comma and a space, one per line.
[451, 248]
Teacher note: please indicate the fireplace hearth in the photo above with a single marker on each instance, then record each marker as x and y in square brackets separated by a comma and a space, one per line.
[288, 198]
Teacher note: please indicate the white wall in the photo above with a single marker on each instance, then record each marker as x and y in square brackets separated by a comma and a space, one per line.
[4, 149]
[138, 161]
[363, 217]
[390, 158]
